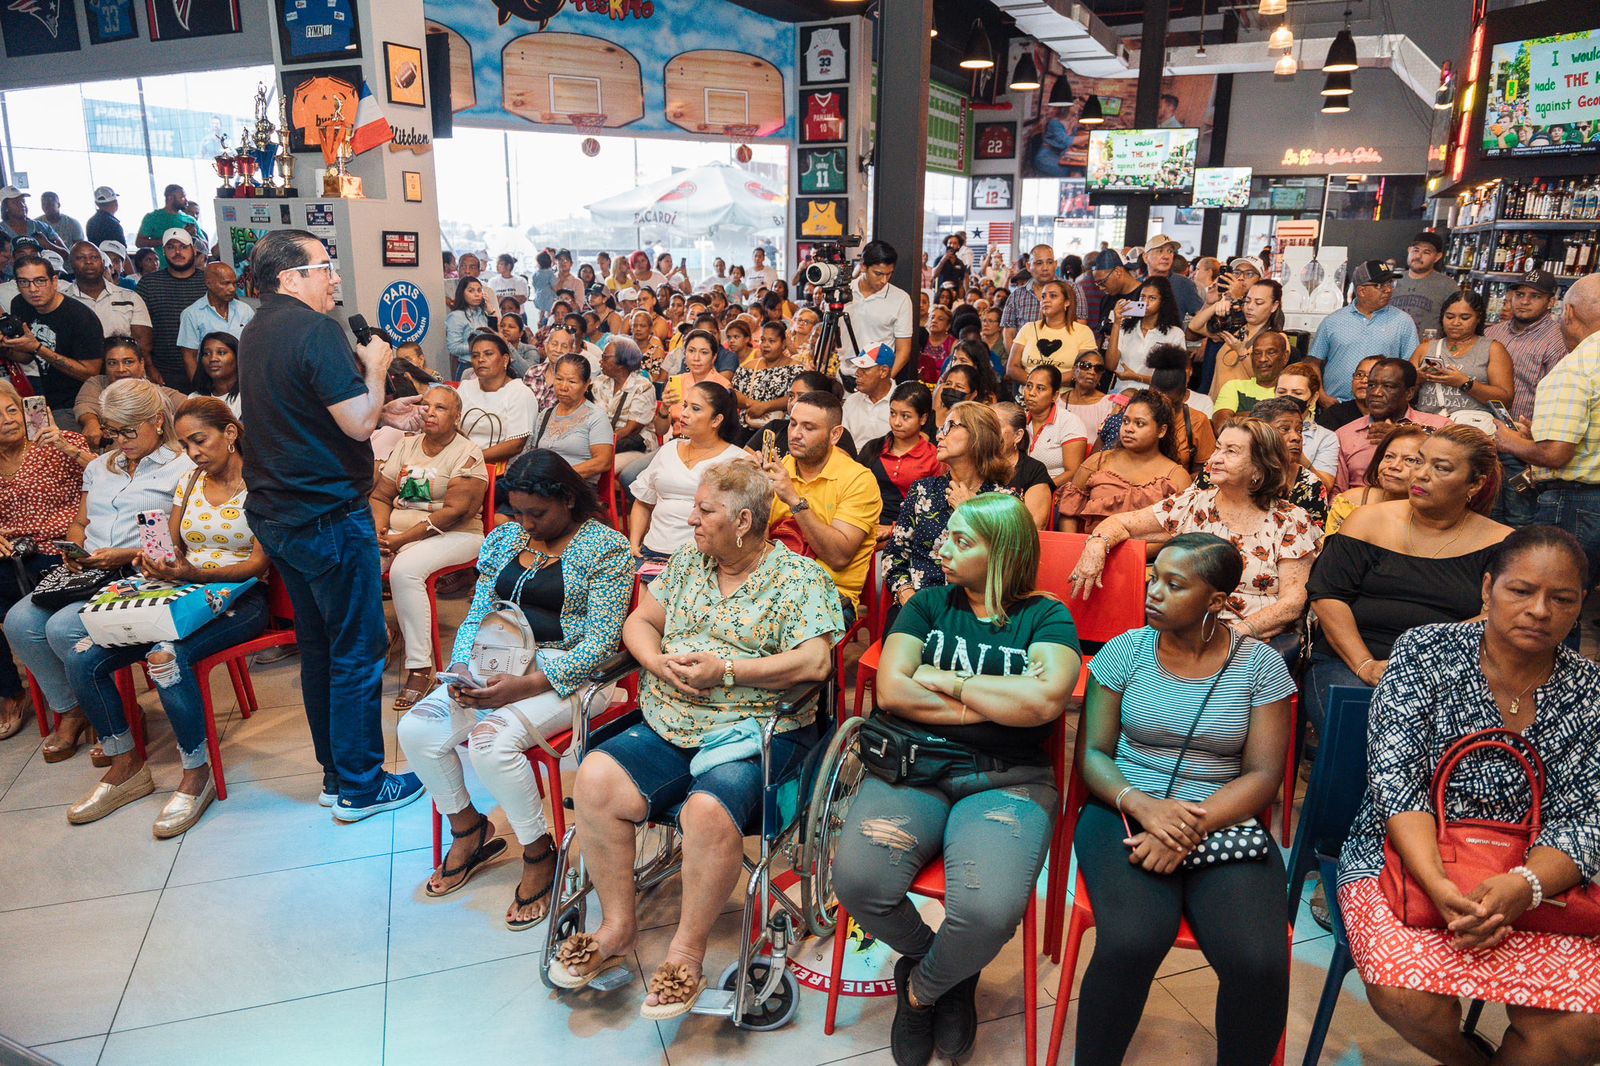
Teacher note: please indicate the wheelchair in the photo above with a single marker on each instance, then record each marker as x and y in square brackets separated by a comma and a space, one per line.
[800, 818]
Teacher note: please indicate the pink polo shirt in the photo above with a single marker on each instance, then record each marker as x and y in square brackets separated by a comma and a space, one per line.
[1356, 451]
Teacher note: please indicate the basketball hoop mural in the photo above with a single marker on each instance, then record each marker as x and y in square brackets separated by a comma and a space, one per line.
[403, 311]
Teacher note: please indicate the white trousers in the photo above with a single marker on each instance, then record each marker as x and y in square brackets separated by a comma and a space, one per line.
[408, 578]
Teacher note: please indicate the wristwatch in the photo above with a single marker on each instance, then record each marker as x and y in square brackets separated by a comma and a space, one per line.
[802, 504]
[727, 673]
[1466, 386]
[962, 677]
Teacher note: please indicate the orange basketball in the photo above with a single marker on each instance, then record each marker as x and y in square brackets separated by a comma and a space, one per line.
[743, 153]
[591, 147]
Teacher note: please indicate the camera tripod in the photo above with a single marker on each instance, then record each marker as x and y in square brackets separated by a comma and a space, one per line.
[825, 346]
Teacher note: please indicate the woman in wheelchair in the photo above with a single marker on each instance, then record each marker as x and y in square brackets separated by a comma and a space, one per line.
[570, 576]
[1184, 740]
[733, 621]
[987, 663]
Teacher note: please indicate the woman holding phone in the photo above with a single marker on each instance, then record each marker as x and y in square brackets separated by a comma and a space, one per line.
[215, 545]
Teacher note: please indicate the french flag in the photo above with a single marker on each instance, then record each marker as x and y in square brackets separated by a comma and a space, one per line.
[372, 129]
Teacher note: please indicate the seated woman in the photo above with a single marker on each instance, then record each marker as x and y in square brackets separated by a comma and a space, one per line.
[1249, 474]
[141, 473]
[1463, 370]
[700, 361]
[628, 399]
[571, 578]
[1303, 381]
[733, 621]
[514, 331]
[985, 384]
[999, 812]
[575, 428]
[427, 506]
[472, 311]
[124, 361]
[218, 375]
[497, 410]
[1405, 563]
[1030, 481]
[761, 385]
[1308, 488]
[663, 495]
[1444, 682]
[1059, 440]
[1142, 470]
[972, 447]
[1186, 727]
[1064, 337]
[215, 545]
[959, 384]
[41, 486]
[1388, 477]
[1133, 336]
[1083, 395]
[904, 455]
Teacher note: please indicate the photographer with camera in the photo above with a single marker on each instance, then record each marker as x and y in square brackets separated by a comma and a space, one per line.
[879, 312]
[312, 405]
[57, 342]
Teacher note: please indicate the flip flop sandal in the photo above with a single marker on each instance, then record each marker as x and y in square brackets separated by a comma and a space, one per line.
[484, 853]
[517, 902]
[408, 698]
[12, 730]
[673, 979]
[577, 962]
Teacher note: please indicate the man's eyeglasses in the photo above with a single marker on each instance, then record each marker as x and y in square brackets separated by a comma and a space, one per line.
[309, 267]
[34, 283]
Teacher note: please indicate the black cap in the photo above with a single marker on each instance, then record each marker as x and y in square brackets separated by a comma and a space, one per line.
[1542, 280]
[1372, 272]
[1427, 236]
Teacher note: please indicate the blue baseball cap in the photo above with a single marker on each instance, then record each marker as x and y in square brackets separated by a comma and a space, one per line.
[882, 355]
[1105, 259]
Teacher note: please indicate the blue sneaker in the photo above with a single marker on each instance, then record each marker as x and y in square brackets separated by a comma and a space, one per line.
[396, 791]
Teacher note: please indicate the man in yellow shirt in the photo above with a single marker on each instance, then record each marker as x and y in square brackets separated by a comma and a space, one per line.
[1268, 356]
[833, 499]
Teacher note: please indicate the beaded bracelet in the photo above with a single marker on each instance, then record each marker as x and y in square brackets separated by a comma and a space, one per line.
[1533, 883]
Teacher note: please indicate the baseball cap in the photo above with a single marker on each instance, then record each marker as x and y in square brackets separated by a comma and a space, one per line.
[1541, 280]
[882, 355]
[1429, 237]
[179, 234]
[54, 259]
[11, 192]
[105, 194]
[1106, 259]
[1371, 272]
[114, 248]
[629, 293]
[1250, 261]
[25, 243]
[1160, 240]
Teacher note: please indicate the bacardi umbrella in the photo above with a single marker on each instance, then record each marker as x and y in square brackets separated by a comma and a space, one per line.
[695, 200]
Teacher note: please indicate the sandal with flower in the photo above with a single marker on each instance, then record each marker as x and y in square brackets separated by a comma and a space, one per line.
[676, 987]
[578, 962]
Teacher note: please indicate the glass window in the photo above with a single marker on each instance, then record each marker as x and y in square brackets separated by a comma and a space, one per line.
[1376, 198]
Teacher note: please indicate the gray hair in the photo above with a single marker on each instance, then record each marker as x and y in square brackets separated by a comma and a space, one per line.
[132, 401]
[743, 487]
[626, 352]
[1012, 415]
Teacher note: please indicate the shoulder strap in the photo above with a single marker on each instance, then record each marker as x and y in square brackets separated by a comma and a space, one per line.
[183, 506]
[1233, 646]
[544, 422]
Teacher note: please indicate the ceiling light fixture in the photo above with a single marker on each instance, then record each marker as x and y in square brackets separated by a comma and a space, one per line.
[1337, 85]
[1272, 7]
[1336, 105]
[980, 52]
[1342, 52]
[1092, 113]
[1060, 93]
[1282, 38]
[1286, 67]
[1026, 76]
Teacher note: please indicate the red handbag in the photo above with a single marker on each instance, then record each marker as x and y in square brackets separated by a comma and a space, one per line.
[1474, 850]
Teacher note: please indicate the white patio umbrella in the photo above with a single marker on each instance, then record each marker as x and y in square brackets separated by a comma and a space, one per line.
[695, 200]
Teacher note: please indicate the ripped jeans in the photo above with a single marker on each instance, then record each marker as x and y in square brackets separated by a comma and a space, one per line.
[994, 830]
[91, 672]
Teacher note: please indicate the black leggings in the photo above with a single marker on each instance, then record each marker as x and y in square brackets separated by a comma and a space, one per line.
[1236, 912]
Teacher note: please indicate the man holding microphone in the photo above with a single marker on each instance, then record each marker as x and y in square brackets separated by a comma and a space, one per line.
[310, 405]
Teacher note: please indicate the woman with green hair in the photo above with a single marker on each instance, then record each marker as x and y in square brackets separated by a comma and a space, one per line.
[985, 663]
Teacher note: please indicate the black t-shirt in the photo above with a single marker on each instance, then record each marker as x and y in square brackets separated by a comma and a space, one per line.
[1030, 472]
[780, 431]
[294, 364]
[541, 598]
[1339, 415]
[953, 638]
[72, 330]
[167, 297]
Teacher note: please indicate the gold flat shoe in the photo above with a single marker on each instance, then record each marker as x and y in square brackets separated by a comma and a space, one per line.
[107, 798]
[183, 811]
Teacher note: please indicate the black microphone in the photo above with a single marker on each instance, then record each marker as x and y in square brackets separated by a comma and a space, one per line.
[403, 376]
[364, 332]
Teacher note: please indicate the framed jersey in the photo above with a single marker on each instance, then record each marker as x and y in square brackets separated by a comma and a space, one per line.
[820, 217]
[182, 20]
[822, 116]
[995, 140]
[991, 192]
[111, 20]
[824, 53]
[311, 31]
[822, 171]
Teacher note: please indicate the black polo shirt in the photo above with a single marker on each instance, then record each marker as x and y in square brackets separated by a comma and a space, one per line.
[299, 465]
[72, 330]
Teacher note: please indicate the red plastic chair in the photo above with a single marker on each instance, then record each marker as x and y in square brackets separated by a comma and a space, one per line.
[432, 584]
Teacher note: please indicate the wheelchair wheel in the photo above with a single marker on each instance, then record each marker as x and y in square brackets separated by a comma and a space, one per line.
[779, 1009]
[835, 788]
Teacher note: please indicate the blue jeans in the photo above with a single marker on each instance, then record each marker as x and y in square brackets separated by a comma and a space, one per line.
[335, 581]
[10, 592]
[92, 674]
[1326, 671]
[1513, 508]
[1576, 509]
[44, 641]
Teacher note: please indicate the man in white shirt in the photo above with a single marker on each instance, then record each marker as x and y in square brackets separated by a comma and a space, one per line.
[718, 276]
[881, 313]
[504, 283]
[760, 273]
[122, 312]
[866, 410]
[219, 310]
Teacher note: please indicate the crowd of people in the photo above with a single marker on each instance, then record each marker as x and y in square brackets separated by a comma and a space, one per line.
[627, 458]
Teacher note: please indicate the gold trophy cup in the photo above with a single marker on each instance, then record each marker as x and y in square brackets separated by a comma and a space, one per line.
[285, 157]
[335, 131]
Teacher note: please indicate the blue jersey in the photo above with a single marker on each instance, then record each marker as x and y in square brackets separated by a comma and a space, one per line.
[318, 27]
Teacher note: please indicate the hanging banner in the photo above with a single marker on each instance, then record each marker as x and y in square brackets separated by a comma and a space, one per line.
[660, 67]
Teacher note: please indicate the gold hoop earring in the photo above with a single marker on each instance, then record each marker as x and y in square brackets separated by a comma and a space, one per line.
[1212, 618]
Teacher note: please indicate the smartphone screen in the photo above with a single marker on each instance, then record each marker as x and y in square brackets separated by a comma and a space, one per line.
[1500, 412]
[36, 412]
[70, 548]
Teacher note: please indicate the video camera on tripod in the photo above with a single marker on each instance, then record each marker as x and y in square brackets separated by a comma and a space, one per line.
[830, 271]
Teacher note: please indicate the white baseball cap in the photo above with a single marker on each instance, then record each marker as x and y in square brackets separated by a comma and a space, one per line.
[1250, 261]
[179, 234]
[105, 194]
[114, 248]
[54, 259]
[11, 192]
[628, 294]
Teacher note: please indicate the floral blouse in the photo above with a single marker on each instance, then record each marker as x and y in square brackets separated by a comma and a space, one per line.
[911, 556]
[597, 578]
[763, 385]
[786, 600]
[1286, 533]
[1432, 694]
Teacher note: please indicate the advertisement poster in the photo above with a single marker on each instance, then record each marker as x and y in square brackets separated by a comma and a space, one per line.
[647, 66]
[1054, 144]
[1141, 160]
[399, 248]
[1544, 96]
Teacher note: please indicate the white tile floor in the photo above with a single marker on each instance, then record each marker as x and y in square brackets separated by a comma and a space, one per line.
[270, 934]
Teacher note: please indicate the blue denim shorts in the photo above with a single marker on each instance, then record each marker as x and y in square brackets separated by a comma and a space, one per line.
[659, 769]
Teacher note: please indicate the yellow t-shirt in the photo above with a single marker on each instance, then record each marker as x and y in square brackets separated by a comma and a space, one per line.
[1065, 346]
[1242, 394]
[846, 491]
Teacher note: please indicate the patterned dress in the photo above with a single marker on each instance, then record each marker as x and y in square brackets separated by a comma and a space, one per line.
[1286, 533]
[1433, 694]
[911, 558]
[763, 385]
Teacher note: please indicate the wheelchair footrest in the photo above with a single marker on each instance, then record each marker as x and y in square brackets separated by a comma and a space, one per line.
[612, 980]
[714, 1001]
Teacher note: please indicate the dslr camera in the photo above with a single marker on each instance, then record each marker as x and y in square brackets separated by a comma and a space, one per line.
[829, 268]
[11, 327]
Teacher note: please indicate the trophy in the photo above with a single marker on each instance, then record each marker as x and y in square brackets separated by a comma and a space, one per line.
[245, 164]
[223, 164]
[265, 151]
[335, 131]
[285, 157]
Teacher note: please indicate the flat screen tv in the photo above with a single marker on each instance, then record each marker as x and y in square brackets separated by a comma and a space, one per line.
[1155, 162]
[1542, 96]
[1222, 187]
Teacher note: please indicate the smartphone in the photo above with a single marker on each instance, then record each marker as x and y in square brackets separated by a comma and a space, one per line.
[1432, 363]
[769, 446]
[463, 680]
[155, 536]
[1499, 411]
[1135, 309]
[36, 412]
[71, 549]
